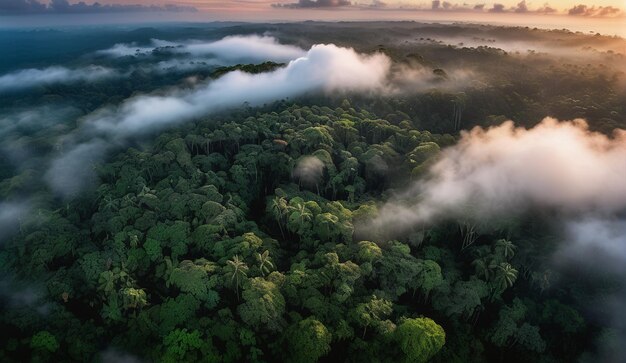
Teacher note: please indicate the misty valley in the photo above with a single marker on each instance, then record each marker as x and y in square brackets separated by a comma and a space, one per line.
[312, 192]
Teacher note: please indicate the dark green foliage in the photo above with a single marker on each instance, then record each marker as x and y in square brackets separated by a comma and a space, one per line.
[248, 68]
[202, 246]
[220, 255]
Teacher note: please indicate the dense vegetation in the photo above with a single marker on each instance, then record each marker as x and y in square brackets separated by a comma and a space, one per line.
[204, 245]
[208, 244]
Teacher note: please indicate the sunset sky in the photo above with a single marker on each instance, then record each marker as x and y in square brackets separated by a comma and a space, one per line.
[209, 4]
[559, 5]
[604, 16]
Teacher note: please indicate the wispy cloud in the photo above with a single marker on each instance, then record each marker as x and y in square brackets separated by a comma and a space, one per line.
[232, 49]
[444, 6]
[33, 77]
[132, 49]
[11, 215]
[16, 7]
[309, 170]
[324, 68]
[504, 170]
[308, 4]
[595, 11]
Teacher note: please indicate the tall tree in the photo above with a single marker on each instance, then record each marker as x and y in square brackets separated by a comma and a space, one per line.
[239, 271]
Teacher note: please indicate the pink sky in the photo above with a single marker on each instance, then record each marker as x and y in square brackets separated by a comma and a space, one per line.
[262, 11]
[251, 5]
[255, 3]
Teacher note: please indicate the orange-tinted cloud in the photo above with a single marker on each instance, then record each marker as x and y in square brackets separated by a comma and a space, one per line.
[600, 11]
[307, 4]
[65, 7]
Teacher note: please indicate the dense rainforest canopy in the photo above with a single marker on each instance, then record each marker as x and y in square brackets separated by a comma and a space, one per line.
[239, 236]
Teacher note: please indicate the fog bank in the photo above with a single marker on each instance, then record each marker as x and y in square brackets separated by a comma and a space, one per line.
[325, 68]
[505, 170]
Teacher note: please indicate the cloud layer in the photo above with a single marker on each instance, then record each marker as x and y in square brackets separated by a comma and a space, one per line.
[16, 7]
[308, 4]
[504, 169]
[33, 77]
[324, 68]
[597, 11]
[231, 49]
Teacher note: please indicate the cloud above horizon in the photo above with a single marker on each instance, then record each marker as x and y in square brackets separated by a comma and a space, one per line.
[325, 67]
[230, 49]
[17, 7]
[521, 7]
[595, 11]
[308, 4]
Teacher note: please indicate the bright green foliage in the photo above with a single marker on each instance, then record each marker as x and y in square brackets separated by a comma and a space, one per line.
[505, 276]
[133, 298]
[369, 251]
[265, 263]
[420, 339]
[45, 341]
[372, 314]
[308, 340]
[419, 159]
[238, 269]
[263, 305]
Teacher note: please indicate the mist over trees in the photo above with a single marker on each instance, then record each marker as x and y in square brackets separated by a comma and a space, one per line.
[268, 229]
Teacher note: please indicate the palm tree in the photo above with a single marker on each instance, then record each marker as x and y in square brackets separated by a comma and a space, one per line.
[298, 218]
[304, 212]
[146, 192]
[109, 204]
[505, 275]
[278, 206]
[468, 231]
[506, 247]
[265, 263]
[167, 271]
[483, 267]
[239, 271]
